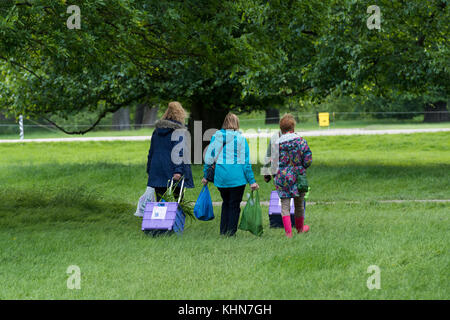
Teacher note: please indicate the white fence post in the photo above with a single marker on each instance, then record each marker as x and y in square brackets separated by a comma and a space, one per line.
[21, 127]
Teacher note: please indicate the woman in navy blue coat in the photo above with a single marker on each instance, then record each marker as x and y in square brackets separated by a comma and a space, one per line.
[164, 162]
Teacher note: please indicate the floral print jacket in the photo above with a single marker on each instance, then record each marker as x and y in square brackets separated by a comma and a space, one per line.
[294, 157]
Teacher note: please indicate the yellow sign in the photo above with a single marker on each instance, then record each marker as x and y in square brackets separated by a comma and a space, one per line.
[324, 119]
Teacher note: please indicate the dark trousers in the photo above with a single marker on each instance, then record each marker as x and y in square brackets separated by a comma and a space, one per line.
[161, 190]
[231, 209]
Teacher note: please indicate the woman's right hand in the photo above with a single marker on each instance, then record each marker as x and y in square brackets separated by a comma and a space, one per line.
[204, 181]
[254, 186]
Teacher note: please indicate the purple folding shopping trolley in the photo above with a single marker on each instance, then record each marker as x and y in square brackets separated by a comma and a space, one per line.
[275, 211]
[164, 217]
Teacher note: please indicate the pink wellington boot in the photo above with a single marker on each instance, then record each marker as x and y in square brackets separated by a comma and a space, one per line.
[300, 226]
[287, 225]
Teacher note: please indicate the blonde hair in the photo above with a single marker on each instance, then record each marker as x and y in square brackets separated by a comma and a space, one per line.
[175, 112]
[231, 122]
[287, 123]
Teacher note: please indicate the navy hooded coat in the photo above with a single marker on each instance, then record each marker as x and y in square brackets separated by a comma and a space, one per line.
[160, 167]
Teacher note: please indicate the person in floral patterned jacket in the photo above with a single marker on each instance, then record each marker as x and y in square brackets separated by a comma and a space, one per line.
[294, 157]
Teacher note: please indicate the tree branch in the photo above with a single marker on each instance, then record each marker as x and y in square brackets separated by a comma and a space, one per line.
[100, 117]
[116, 106]
[312, 33]
[21, 66]
[294, 93]
[166, 49]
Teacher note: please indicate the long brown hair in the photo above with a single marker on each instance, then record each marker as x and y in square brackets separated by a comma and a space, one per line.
[175, 112]
[231, 122]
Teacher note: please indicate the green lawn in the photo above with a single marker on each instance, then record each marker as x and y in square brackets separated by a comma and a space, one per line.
[67, 204]
[309, 122]
[45, 134]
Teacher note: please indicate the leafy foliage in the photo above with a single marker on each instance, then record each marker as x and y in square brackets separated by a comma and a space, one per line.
[186, 205]
[240, 55]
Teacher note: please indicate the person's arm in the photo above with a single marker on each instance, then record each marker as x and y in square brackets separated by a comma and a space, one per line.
[271, 161]
[268, 159]
[269, 149]
[178, 169]
[150, 154]
[267, 167]
[209, 155]
[248, 172]
[306, 154]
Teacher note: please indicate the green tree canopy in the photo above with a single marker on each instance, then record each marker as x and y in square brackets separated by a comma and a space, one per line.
[217, 56]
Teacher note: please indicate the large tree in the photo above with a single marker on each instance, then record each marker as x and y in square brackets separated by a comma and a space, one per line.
[126, 51]
[408, 58]
[217, 55]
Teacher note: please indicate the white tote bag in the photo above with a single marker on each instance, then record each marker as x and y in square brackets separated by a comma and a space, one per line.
[148, 196]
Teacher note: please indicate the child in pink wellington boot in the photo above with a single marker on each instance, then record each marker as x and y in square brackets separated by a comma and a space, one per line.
[289, 155]
[299, 215]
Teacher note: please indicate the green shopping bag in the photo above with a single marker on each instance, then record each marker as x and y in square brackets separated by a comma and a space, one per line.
[302, 183]
[251, 219]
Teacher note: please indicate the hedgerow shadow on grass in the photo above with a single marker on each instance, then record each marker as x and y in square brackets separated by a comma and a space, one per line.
[368, 182]
[19, 207]
[125, 183]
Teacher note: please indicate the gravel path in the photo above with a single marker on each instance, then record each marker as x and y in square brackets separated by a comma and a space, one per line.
[314, 133]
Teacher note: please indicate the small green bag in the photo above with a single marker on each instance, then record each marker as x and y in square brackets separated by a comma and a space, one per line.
[302, 183]
[251, 219]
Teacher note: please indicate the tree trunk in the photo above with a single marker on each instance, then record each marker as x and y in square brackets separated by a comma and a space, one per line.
[211, 118]
[436, 112]
[121, 119]
[272, 115]
[145, 116]
[150, 116]
[139, 115]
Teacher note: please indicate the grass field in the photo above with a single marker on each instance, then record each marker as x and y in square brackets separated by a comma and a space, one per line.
[67, 204]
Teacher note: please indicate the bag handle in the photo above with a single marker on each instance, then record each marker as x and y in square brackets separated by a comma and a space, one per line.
[253, 198]
[181, 189]
[256, 196]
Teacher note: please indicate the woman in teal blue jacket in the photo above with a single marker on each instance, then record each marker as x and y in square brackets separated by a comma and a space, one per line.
[230, 153]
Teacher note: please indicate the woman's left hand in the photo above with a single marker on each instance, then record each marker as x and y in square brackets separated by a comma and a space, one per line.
[204, 181]
[176, 177]
[254, 186]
